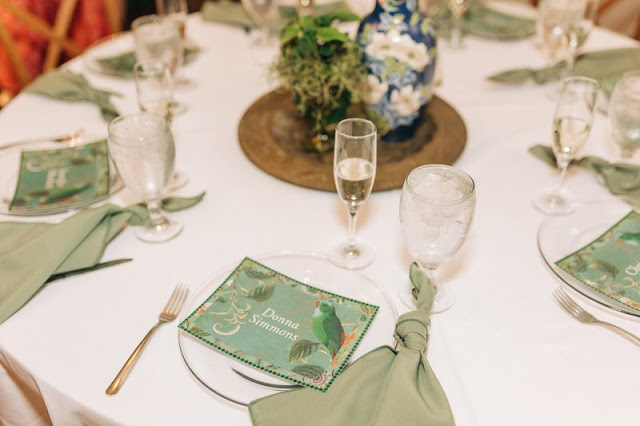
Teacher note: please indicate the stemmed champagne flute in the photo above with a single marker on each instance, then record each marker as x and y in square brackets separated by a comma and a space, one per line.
[141, 146]
[354, 170]
[457, 9]
[437, 206]
[571, 128]
[624, 114]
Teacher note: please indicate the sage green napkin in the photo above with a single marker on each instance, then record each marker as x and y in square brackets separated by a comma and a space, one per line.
[233, 13]
[30, 252]
[123, 64]
[622, 179]
[383, 387]
[605, 66]
[484, 21]
[66, 85]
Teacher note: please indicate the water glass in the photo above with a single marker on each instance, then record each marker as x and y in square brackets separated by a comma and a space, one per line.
[624, 114]
[175, 10]
[354, 171]
[154, 88]
[141, 146]
[158, 39]
[437, 206]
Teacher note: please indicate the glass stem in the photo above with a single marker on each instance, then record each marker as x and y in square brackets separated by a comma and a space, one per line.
[563, 166]
[456, 30]
[571, 53]
[351, 236]
[156, 219]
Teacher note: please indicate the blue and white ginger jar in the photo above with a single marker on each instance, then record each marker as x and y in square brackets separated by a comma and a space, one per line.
[399, 45]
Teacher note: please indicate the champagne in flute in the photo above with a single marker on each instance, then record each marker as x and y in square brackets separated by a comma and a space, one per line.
[354, 180]
[354, 169]
[569, 135]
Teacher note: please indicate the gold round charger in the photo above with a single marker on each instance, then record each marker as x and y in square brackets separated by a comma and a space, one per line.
[271, 133]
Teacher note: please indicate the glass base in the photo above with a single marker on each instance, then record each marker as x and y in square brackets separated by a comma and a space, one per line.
[358, 256]
[443, 300]
[159, 233]
[552, 204]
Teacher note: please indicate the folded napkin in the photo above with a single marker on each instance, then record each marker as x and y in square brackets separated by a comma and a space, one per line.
[384, 387]
[124, 63]
[233, 13]
[68, 86]
[30, 252]
[605, 66]
[484, 21]
[622, 179]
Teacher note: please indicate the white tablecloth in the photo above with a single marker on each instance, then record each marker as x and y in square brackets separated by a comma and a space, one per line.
[506, 354]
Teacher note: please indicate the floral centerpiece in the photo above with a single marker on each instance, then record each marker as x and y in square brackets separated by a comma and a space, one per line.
[323, 68]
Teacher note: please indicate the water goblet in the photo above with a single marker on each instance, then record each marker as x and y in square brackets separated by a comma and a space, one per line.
[572, 122]
[175, 10]
[158, 39]
[624, 114]
[437, 205]
[263, 13]
[141, 146]
[457, 9]
[354, 170]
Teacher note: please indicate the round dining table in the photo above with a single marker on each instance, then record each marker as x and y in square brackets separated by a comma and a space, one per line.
[505, 353]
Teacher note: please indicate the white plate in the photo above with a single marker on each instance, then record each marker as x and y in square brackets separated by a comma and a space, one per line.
[240, 383]
[10, 170]
[560, 236]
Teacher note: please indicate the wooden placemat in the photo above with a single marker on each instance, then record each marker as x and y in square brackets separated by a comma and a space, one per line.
[271, 133]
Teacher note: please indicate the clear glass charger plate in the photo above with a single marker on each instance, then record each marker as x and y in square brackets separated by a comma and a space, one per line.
[10, 169]
[560, 236]
[240, 383]
[108, 47]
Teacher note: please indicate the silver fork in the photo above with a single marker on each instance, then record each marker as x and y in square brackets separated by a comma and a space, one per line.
[57, 139]
[585, 317]
[168, 314]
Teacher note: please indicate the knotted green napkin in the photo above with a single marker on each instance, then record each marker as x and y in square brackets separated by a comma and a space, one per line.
[68, 86]
[605, 66]
[30, 252]
[484, 21]
[384, 387]
[622, 179]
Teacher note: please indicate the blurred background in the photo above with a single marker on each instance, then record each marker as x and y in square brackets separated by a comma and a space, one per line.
[38, 35]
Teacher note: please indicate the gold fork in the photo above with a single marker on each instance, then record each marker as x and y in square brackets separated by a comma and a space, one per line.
[585, 317]
[57, 139]
[168, 314]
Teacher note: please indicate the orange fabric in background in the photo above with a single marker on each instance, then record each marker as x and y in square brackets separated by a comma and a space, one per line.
[88, 25]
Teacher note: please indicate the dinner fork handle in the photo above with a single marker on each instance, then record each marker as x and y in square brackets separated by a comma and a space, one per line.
[128, 366]
[621, 332]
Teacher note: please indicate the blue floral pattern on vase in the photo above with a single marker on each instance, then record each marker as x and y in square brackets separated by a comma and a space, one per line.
[399, 46]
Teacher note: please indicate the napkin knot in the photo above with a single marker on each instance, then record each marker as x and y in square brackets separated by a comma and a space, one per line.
[412, 330]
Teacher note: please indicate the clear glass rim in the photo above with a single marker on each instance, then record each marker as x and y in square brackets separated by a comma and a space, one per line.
[116, 137]
[586, 81]
[145, 19]
[372, 130]
[625, 81]
[468, 195]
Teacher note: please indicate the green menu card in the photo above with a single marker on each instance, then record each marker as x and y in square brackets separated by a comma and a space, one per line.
[611, 263]
[52, 179]
[281, 326]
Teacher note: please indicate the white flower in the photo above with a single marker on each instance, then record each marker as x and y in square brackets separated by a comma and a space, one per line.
[376, 89]
[380, 46]
[405, 101]
[407, 50]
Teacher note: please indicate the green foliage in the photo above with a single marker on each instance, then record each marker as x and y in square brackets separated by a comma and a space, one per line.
[314, 372]
[323, 68]
[301, 349]
[262, 292]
